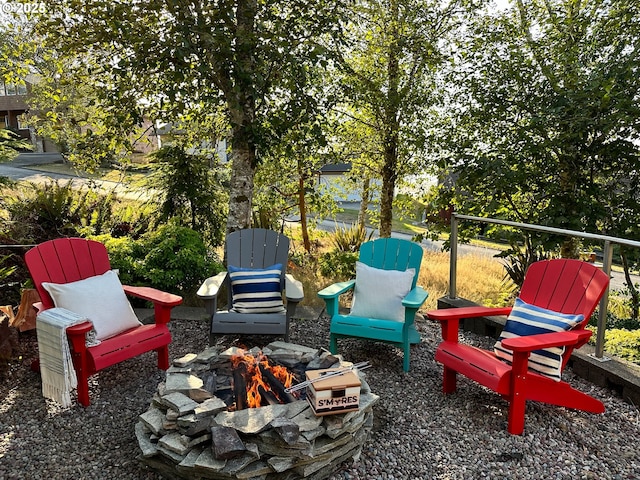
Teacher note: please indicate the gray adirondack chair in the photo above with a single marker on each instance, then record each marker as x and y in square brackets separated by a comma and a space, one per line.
[255, 248]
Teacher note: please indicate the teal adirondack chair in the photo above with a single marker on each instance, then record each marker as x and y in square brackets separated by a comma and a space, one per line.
[386, 298]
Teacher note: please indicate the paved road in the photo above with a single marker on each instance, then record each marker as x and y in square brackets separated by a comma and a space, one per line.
[25, 167]
[17, 170]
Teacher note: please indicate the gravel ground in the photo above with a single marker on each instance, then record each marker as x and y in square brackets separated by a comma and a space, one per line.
[419, 433]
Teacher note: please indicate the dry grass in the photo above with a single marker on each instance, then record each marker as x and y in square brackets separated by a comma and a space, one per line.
[479, 277]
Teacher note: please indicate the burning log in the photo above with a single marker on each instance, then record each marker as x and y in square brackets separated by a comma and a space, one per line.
[268, 398]
[240, 386]
[276, 386]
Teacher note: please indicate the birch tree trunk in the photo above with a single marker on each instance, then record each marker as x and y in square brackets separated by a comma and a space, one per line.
[241, 103]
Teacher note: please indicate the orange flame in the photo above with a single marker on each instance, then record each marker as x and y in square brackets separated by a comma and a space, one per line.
[253, 377]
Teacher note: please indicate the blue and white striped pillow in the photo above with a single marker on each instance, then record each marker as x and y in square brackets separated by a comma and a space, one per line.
[256, 290]
[528, 319]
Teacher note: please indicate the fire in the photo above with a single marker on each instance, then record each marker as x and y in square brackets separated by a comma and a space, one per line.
[254, 379]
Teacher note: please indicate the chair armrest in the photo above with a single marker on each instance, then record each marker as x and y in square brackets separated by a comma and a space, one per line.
[415, 298]
[163, 302]
[530, 343]
[449, 318]
[211, 286]
[336, 289]
[293, 288]
[153, 295]
[77, 335]
[446, 314]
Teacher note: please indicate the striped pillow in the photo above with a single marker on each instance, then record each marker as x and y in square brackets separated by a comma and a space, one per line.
[256, 290]
[528, 319]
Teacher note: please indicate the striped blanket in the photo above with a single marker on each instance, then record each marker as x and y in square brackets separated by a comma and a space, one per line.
[56, 367]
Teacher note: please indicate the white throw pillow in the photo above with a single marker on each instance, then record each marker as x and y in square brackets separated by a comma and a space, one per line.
[101, 299]
[379, 293]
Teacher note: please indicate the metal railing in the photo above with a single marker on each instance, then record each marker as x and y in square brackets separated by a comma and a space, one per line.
[606, 264]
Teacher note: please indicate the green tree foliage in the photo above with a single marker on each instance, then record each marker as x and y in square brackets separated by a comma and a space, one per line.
[387, 80]
[11, 144]
[189, 58]
[543, 116]
[190, 191]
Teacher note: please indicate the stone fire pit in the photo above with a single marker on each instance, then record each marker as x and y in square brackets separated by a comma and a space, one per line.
[189, 432]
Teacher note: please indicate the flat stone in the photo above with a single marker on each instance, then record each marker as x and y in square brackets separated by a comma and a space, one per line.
[185, 360]
[190, 425]
[209, 408]
[174, 369]
[179, 402]
[198, 440]
[226, 443]
[172, 415]
[287, 429]
[280, 464]
[175, 442]
[200, 395]
[207, 355]
[254, 470]
[189, 462]
[148, 448]
[153, 420]
[181, 382]
[279, 345]
[237, 464]
[231, 352]
[326, 444]
[307, 420]
[325, 360]
[207, 462]
[313, 434]
[251, 420]
[295, 408]
[170, 454]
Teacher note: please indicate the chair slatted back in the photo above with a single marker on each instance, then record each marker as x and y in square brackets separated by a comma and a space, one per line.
[392, 254]
[257, 248]
[65, 260]
[565, 285]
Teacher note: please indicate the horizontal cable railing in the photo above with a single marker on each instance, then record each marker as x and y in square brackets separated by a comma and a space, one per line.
[608, 241]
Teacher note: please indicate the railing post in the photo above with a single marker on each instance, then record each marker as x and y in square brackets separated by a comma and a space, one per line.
[453, 252]
[602, 311]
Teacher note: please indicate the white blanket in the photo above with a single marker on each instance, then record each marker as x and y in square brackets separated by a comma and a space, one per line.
[56, 367]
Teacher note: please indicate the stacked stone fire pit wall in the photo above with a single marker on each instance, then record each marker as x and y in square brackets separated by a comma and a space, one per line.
[189, 433]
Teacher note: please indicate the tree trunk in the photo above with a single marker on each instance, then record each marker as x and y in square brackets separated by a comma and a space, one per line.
[302, 206]
[633, 292]
[364, 202]
[241, 103]
[241, 188]
[391, 126]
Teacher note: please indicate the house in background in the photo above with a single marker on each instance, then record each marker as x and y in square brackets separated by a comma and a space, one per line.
[332, 176]
[13, 104]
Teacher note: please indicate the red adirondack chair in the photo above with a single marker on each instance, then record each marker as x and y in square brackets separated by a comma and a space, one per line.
[560, 285]
[66, 260]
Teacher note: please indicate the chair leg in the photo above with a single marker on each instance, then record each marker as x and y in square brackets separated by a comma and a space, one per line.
[449, 380]
[163, 357]
[406, 360]
[83, 389]
[333, 344]
[517, 407]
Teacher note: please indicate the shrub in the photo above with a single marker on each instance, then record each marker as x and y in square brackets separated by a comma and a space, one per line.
[338, 265]
[171, 258]
[621, 342]
[349, 239]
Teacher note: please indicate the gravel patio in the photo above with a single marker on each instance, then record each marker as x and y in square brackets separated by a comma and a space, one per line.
[418, 433]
